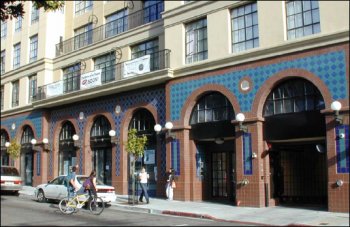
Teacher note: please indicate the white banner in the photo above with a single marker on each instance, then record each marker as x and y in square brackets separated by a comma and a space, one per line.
[54, 89]
[137, 66]
[90, 79]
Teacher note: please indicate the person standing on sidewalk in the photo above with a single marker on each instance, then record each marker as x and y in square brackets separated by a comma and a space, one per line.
[143, 177]
[170, 184]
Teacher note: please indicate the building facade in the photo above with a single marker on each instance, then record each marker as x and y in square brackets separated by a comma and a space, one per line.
[259, 104]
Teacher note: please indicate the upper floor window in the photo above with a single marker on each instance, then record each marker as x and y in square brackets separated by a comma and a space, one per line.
[3, 29]
[3, 55]
[147, 48]
[15, 93]
[196, 41]
[2, 97]
[32, 88]
[303, 18]
[212, 107]
[71, 78]
[82, 7]
[107, 64]
[34, 15]
[16, 55]
[83, 36]
[116, 23]
[18, 24]
[152, 10]
[244, 25]
[295, 95]
[33, 54]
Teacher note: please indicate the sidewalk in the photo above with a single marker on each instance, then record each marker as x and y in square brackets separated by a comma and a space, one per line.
[277, 216]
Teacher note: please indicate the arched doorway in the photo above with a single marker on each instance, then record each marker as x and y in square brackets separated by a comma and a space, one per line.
[213, 134]
[143, 121]
[5, 158]
[295, 130]
[27, 155]
[67, 150]
[101, 147]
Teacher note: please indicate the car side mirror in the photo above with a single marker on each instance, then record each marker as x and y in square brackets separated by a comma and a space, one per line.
[49, 182]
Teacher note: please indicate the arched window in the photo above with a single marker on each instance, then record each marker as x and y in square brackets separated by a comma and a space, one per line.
[100, 127]
[5, 160]
[27, 136]
[142, 121]
[291, 96]
[212, 107]
[67, 132]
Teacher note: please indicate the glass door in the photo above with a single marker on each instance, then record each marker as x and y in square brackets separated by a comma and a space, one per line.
[102, 162]
[28, 163]
[219, 175]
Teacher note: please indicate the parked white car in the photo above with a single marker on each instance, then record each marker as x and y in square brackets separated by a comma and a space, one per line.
[10, 179]
[56, 190]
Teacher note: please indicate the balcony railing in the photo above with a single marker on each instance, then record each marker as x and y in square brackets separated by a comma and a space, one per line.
[111, 29]
[157, 61]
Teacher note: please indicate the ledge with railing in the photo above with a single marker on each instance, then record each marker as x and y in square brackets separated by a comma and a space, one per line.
[77, 80]
[111, 29]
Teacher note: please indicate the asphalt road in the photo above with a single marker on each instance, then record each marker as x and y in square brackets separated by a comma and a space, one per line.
[23, 211]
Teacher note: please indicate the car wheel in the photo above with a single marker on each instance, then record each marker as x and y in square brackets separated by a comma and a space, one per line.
[41, 196]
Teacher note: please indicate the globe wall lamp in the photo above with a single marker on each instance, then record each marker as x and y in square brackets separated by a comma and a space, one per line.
[336, 106]
[114, 138]
[44, 144]
[76, 140]
[167, 130]
[7, 144]
[240, 118]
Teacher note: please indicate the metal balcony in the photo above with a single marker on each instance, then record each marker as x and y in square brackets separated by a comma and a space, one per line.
[111, 29]
[157, 61]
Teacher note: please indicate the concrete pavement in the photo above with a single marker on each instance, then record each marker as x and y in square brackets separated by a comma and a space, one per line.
[277, 216]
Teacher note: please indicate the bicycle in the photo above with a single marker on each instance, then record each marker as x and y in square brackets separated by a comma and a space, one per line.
[71, 205]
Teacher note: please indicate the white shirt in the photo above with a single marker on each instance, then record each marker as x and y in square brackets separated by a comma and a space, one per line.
[143, 177]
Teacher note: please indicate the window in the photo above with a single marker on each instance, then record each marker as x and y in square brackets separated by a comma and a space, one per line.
[196, 41]
[143, 121]
[82, 7]
[16, 55]
[15, 93]
[2, 97]
[18, 24]
[71, 78]
[147, 48]
[33, 48]
[152, 10]
[107, 64]
[27, 136]
[83, 36]
[296, 95]
[3, 29]
[212, 107]
[244, 25]
[34, 15]
[32, 88]
[100, 128]
[117, 23]
[3, 54]
[303, 18]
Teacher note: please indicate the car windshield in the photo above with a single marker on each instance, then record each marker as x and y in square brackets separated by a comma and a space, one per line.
[9, 171]
[81, 179]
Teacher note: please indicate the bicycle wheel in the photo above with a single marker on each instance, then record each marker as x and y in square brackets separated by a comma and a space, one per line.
[96, 206]
[66, 206]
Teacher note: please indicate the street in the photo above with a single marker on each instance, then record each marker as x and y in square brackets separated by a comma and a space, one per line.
[23, 211]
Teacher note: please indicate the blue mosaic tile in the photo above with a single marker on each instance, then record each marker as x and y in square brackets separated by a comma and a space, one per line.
[126, 100]
[329, 67]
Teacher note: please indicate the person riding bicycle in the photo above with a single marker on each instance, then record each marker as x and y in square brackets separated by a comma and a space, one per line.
[90, 184]
[72, 185]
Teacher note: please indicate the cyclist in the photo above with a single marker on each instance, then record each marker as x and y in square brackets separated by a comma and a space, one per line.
[73, 185]
[90, 184]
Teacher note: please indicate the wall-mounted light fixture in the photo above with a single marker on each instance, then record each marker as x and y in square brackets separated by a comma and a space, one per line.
[81, 116]
[339, 183]
[13, 126]
[7, 144]
[254, 155]
[167, 130]
[114, 138]
[219, 140]
[240, 118]
[76, 140]
[117, 109]
[244, 182]
[336, 106]
[45, 144]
